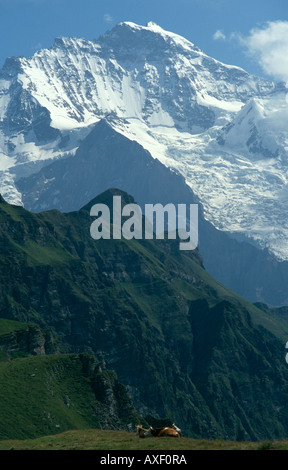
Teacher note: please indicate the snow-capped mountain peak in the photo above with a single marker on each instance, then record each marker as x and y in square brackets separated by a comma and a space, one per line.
[151, 30]
[213, 122]
[133, 71]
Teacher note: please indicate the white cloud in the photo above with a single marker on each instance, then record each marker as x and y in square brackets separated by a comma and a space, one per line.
[108, 18]
[269, 46]
[219, 35]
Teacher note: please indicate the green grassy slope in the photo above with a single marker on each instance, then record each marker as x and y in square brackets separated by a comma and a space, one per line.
[50, 394]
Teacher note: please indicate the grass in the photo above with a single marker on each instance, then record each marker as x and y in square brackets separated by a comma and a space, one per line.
[47, 380]
[95, 439]
[11, 326]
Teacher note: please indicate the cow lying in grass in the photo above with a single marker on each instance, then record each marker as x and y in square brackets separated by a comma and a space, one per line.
[165, 431]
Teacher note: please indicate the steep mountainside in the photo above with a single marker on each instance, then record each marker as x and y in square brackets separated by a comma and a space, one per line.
[224, 130]
[105, 159]
[184, 346]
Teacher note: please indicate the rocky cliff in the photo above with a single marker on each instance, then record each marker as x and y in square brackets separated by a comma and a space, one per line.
[21, 339]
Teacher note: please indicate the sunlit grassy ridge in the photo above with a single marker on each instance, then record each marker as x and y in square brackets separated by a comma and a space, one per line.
[94, 439]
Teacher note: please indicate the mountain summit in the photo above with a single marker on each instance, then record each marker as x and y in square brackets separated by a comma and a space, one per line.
[223, 129]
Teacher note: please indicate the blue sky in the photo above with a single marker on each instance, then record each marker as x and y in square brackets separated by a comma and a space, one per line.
[221, 28]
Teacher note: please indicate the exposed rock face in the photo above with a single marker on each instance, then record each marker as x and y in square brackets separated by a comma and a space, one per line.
[28, 340]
